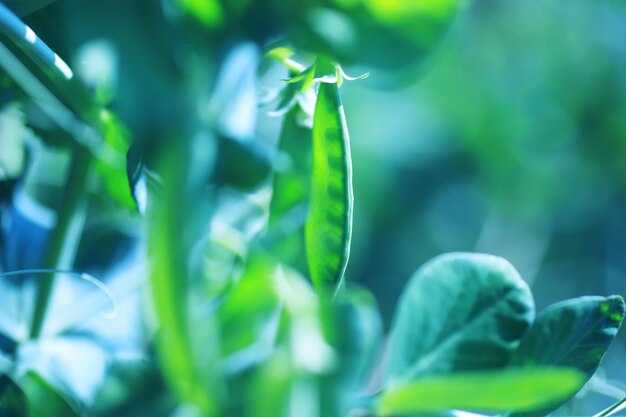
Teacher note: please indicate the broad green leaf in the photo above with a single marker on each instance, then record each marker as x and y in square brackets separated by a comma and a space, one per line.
[44, 399]
[460, 312]
[329, 224]
[504, 390]
[574, 333]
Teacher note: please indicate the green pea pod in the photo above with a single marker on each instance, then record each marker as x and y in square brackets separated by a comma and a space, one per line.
[290, 195]
[329, 223]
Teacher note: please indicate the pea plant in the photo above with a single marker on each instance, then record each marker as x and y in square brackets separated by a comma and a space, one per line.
[224, 259]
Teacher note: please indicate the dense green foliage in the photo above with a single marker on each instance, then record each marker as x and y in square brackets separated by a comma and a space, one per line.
[221, 236]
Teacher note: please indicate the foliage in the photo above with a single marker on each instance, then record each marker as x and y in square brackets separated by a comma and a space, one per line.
[143, 163]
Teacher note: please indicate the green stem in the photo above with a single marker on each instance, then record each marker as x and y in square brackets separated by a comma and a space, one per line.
[63, 241]
[618, 406]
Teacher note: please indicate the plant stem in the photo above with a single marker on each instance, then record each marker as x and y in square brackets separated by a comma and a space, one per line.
[615, 408]
[63, 241]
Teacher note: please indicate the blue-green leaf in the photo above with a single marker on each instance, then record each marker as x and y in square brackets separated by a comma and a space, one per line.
[460, 312]
[574, 333]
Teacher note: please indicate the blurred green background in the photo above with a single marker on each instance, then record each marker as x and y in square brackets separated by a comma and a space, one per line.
[510, 141]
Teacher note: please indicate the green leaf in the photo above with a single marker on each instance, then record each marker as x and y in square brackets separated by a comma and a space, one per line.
[271, 387]
[394, 35]
[280, 53]
[353, 327]
[287, 100]
[13, 402]
[75, 110]
[460, 312]
[132, 388]
[283, 56]
[416, 27]
[114, 176]
[207, 12]
[303, 78]
[329, 224]
[326, 71]
[574, 333]
[248, 310]
[399, 12]
[44, 399]
[520, 389]
[171, 235]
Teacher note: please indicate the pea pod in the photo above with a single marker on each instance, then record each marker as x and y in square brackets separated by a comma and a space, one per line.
[290, 195]
[329, 223]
